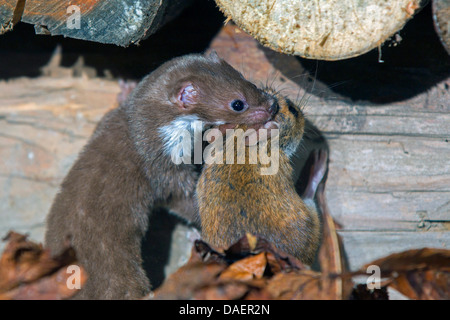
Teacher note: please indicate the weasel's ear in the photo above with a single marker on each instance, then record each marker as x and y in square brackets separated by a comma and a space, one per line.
[213, 56]
[186, 96]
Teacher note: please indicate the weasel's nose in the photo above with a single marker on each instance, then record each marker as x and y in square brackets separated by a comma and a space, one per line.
[274, 108]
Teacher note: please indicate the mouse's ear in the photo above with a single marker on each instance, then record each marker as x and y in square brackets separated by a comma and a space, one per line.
[186, 96]
[212, 55]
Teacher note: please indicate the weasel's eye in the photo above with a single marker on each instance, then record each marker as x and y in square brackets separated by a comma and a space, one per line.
[238, 105]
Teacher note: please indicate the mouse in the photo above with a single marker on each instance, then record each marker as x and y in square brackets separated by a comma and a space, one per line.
[239, 198]
[127, 168]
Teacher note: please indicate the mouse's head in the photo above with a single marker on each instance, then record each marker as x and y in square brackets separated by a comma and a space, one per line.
[286, 118]
[289, 119]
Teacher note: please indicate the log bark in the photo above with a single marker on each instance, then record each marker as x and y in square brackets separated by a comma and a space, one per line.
[120, 22]
[10, 12]
[323, 29]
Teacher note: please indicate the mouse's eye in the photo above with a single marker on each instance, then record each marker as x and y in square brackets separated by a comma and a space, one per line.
[238, 105]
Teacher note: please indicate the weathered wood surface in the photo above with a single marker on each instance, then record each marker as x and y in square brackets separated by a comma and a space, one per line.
[324, 29]
[120, 22]
[389, 178]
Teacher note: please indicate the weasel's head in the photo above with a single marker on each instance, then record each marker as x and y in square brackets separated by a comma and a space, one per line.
[207, 91]
[212, 91]
[196, 89]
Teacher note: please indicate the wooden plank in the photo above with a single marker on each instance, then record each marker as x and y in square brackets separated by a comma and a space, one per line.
[364, 247]
[389, 163]
[390, 211]
[387, 120]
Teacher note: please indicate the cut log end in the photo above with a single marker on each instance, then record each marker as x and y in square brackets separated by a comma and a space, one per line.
[325, 30]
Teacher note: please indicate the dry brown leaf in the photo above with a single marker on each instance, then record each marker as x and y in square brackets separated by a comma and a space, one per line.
[53, 287]
[415, 259]
[423, 285]
[303, 285]
[27, 271]
[251, 245]
[223, 291]
[19, 262]
[249, 268]
[289, 286]
[240, 272]
[421, 274]
[190, 278]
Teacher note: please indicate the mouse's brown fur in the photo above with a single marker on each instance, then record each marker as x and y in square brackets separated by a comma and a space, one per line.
[235, 198]
[125, 170]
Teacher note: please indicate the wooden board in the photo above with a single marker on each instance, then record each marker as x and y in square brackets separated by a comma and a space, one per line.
[362, 247]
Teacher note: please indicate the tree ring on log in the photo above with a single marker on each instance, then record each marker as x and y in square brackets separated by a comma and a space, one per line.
[322, 29]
